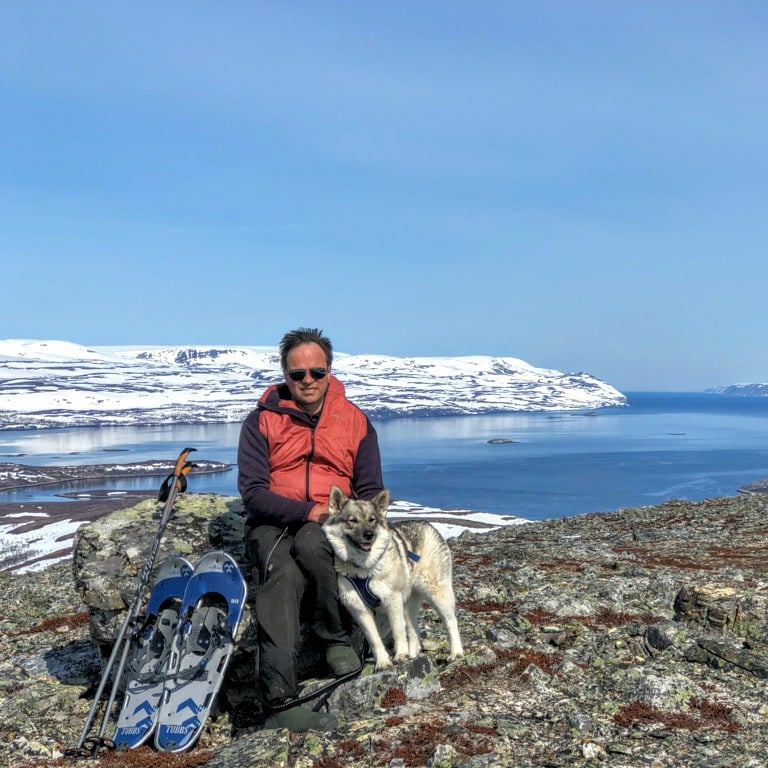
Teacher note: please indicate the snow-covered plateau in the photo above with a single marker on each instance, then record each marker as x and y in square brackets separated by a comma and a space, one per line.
[62, 384]
[741, 390]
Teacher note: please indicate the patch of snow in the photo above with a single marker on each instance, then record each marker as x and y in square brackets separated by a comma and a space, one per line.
[37, 543]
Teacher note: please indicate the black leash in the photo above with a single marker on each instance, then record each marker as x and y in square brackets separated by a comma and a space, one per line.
[323, 689]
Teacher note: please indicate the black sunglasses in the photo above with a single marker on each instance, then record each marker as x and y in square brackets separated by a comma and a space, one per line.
[298, 374]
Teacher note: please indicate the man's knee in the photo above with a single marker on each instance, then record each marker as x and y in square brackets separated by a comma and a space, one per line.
[311, 548]
[261, 540]
[270, 551]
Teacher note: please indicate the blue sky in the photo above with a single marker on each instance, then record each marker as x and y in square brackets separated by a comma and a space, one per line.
[582, 185]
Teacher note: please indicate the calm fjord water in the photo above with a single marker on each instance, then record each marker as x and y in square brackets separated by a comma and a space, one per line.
[664, 445]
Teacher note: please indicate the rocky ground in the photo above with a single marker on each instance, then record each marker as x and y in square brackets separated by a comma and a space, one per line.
[636, 638]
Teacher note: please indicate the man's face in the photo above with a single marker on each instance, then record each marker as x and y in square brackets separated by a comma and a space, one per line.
[308, 394]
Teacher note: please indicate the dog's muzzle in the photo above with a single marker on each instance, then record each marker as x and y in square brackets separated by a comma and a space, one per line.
[368, 537]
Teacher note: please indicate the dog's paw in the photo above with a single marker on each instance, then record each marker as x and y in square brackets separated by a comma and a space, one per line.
[381, 664]
[400, 657]
[414, 651]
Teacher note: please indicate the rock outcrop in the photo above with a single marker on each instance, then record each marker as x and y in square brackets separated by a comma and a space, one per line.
[636, 638]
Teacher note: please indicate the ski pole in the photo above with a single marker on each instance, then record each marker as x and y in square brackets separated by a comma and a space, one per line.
[174, 484]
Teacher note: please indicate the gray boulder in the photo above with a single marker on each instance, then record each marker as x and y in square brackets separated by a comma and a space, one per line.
[110, 553]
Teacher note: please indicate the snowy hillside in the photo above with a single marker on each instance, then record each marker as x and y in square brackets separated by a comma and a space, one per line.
[61, 384]
[742, 390]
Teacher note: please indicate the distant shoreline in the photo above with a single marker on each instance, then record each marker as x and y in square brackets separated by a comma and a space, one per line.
[29, 515]
[14, 477]
[759, 486]
[40, 476]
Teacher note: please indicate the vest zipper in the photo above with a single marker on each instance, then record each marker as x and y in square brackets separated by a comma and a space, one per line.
[309, 460]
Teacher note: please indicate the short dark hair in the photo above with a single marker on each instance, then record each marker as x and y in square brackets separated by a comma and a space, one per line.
[305, 336]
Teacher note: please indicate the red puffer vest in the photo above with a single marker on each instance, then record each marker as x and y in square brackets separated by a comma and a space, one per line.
[305, 461]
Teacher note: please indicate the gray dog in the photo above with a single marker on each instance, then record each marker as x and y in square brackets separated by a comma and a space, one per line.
[390, 570]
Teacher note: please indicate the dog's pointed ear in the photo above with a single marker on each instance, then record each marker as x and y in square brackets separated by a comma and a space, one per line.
[336, 500]
[381, 501]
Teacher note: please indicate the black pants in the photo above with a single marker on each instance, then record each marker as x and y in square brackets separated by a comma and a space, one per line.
[287, 566]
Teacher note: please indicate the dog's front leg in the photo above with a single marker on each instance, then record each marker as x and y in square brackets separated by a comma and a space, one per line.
[364, 616]
[393, 605]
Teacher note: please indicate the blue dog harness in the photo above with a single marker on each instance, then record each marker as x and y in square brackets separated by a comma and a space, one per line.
[363, 585]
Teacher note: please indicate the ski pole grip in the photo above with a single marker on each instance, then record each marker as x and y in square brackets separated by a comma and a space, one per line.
[178, 477]
[177, 470]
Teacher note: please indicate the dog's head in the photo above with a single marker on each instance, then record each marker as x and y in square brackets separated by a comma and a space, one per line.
[355, 522]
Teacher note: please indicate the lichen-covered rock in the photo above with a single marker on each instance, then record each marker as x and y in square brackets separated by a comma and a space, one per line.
[636, 638]
[110, 553]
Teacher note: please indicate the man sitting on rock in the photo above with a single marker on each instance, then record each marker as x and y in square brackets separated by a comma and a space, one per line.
[303, 437]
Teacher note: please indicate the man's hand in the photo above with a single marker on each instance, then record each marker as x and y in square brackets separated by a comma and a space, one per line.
[319, 513]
